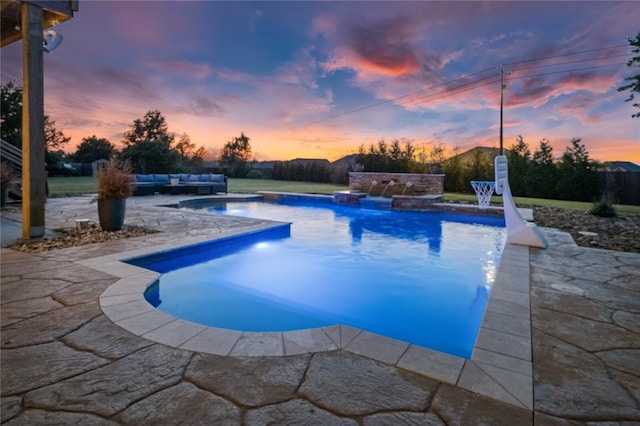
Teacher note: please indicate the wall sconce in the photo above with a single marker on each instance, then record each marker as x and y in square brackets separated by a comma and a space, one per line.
[51, 40]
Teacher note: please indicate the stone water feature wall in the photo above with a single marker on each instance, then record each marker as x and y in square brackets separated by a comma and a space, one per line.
[377, 184]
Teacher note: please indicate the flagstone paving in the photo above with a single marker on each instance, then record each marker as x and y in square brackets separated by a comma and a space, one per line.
[63, 361]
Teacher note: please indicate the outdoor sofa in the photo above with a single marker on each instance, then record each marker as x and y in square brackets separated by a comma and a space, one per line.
[183, 183]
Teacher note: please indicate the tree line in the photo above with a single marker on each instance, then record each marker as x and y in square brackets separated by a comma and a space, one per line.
[148, 145]
[393, 158]
[310, 171]
[573, 177]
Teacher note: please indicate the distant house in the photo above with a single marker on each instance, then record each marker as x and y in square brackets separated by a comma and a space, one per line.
[621, 166]
[467, 156]
[306, 161]
[346, 162]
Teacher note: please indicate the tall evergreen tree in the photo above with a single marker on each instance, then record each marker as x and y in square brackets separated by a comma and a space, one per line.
[542, 177]
[453, 170]
[577, 178]
[519, 158]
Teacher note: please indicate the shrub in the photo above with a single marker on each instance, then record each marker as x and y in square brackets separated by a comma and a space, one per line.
[603, 208]
[115, 180]
[255, 174]
[6, 175]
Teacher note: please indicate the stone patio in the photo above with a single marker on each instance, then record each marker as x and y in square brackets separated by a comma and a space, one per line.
[64, 361]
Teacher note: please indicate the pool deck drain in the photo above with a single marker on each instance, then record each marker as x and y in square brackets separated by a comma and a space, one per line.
[48, 301]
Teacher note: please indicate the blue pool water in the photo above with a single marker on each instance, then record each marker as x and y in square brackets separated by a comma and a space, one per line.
[423, 278]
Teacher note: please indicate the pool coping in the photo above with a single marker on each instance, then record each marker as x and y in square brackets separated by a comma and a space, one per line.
[500, 366]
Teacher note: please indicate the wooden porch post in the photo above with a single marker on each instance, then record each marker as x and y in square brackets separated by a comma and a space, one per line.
[33, 138]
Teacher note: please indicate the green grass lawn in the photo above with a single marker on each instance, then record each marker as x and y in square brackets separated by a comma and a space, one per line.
[543, 202]
[76, 185]
[65, 186]
[250, 186]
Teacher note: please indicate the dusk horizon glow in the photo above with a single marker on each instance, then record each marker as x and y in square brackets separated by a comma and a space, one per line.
[319, 79]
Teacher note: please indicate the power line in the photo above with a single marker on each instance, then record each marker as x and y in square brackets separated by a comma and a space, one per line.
[430, 98]
[495, 79]
[449, 90]
[454, 91]
[566, 71]
[400, 97]
[570, 62]
[567, 54]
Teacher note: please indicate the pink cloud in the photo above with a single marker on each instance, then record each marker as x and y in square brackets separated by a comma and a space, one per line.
[202, 106]
[185, 69]
[143, 23]
[234, 76]
[537, 91]
[300, 70]
[323, 24]
[386, 47]
[506, 123]
[579, 106]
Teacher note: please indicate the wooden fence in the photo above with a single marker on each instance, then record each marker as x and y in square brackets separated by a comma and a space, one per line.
[622, 187]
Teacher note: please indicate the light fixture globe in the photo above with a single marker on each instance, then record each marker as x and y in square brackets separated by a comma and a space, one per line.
[51, 40]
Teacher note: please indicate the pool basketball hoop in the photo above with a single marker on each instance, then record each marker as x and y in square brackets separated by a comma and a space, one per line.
[484, 191]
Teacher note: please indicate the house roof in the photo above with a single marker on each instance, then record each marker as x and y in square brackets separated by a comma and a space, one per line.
[622, 166]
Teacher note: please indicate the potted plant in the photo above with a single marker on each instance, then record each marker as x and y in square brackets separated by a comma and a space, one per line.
[114, 187]
[6, 180]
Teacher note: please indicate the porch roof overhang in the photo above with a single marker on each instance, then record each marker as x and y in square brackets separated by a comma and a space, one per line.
[54, 12]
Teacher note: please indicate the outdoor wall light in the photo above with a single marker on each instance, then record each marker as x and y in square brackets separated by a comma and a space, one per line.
[51, 41]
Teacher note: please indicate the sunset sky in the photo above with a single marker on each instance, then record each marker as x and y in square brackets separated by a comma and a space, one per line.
[318, 79]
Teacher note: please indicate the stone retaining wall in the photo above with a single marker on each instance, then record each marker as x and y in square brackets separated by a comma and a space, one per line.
[435, 204]
[403, 184]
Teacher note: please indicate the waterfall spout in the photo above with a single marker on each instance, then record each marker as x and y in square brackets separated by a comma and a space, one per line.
[407, 185]
[373, 183]
[391, 183]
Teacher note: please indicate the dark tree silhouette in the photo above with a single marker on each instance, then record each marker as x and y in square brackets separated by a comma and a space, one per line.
[236, 156]
[93, 148]
[634, 81]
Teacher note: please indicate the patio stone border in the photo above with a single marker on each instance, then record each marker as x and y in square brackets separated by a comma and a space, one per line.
[500, 366]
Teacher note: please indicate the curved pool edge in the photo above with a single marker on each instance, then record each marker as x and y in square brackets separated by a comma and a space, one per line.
[500, 366]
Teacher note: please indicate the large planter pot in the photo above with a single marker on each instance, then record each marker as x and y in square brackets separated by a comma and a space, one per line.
[111, 213]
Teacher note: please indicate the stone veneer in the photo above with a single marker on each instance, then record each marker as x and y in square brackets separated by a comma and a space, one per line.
[412, 184]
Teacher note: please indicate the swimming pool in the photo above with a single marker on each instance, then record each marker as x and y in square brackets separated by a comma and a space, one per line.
[422, 278]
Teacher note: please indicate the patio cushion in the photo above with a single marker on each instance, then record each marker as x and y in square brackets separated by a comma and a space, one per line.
[145, 178]
[182, 177]
[161, 179]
